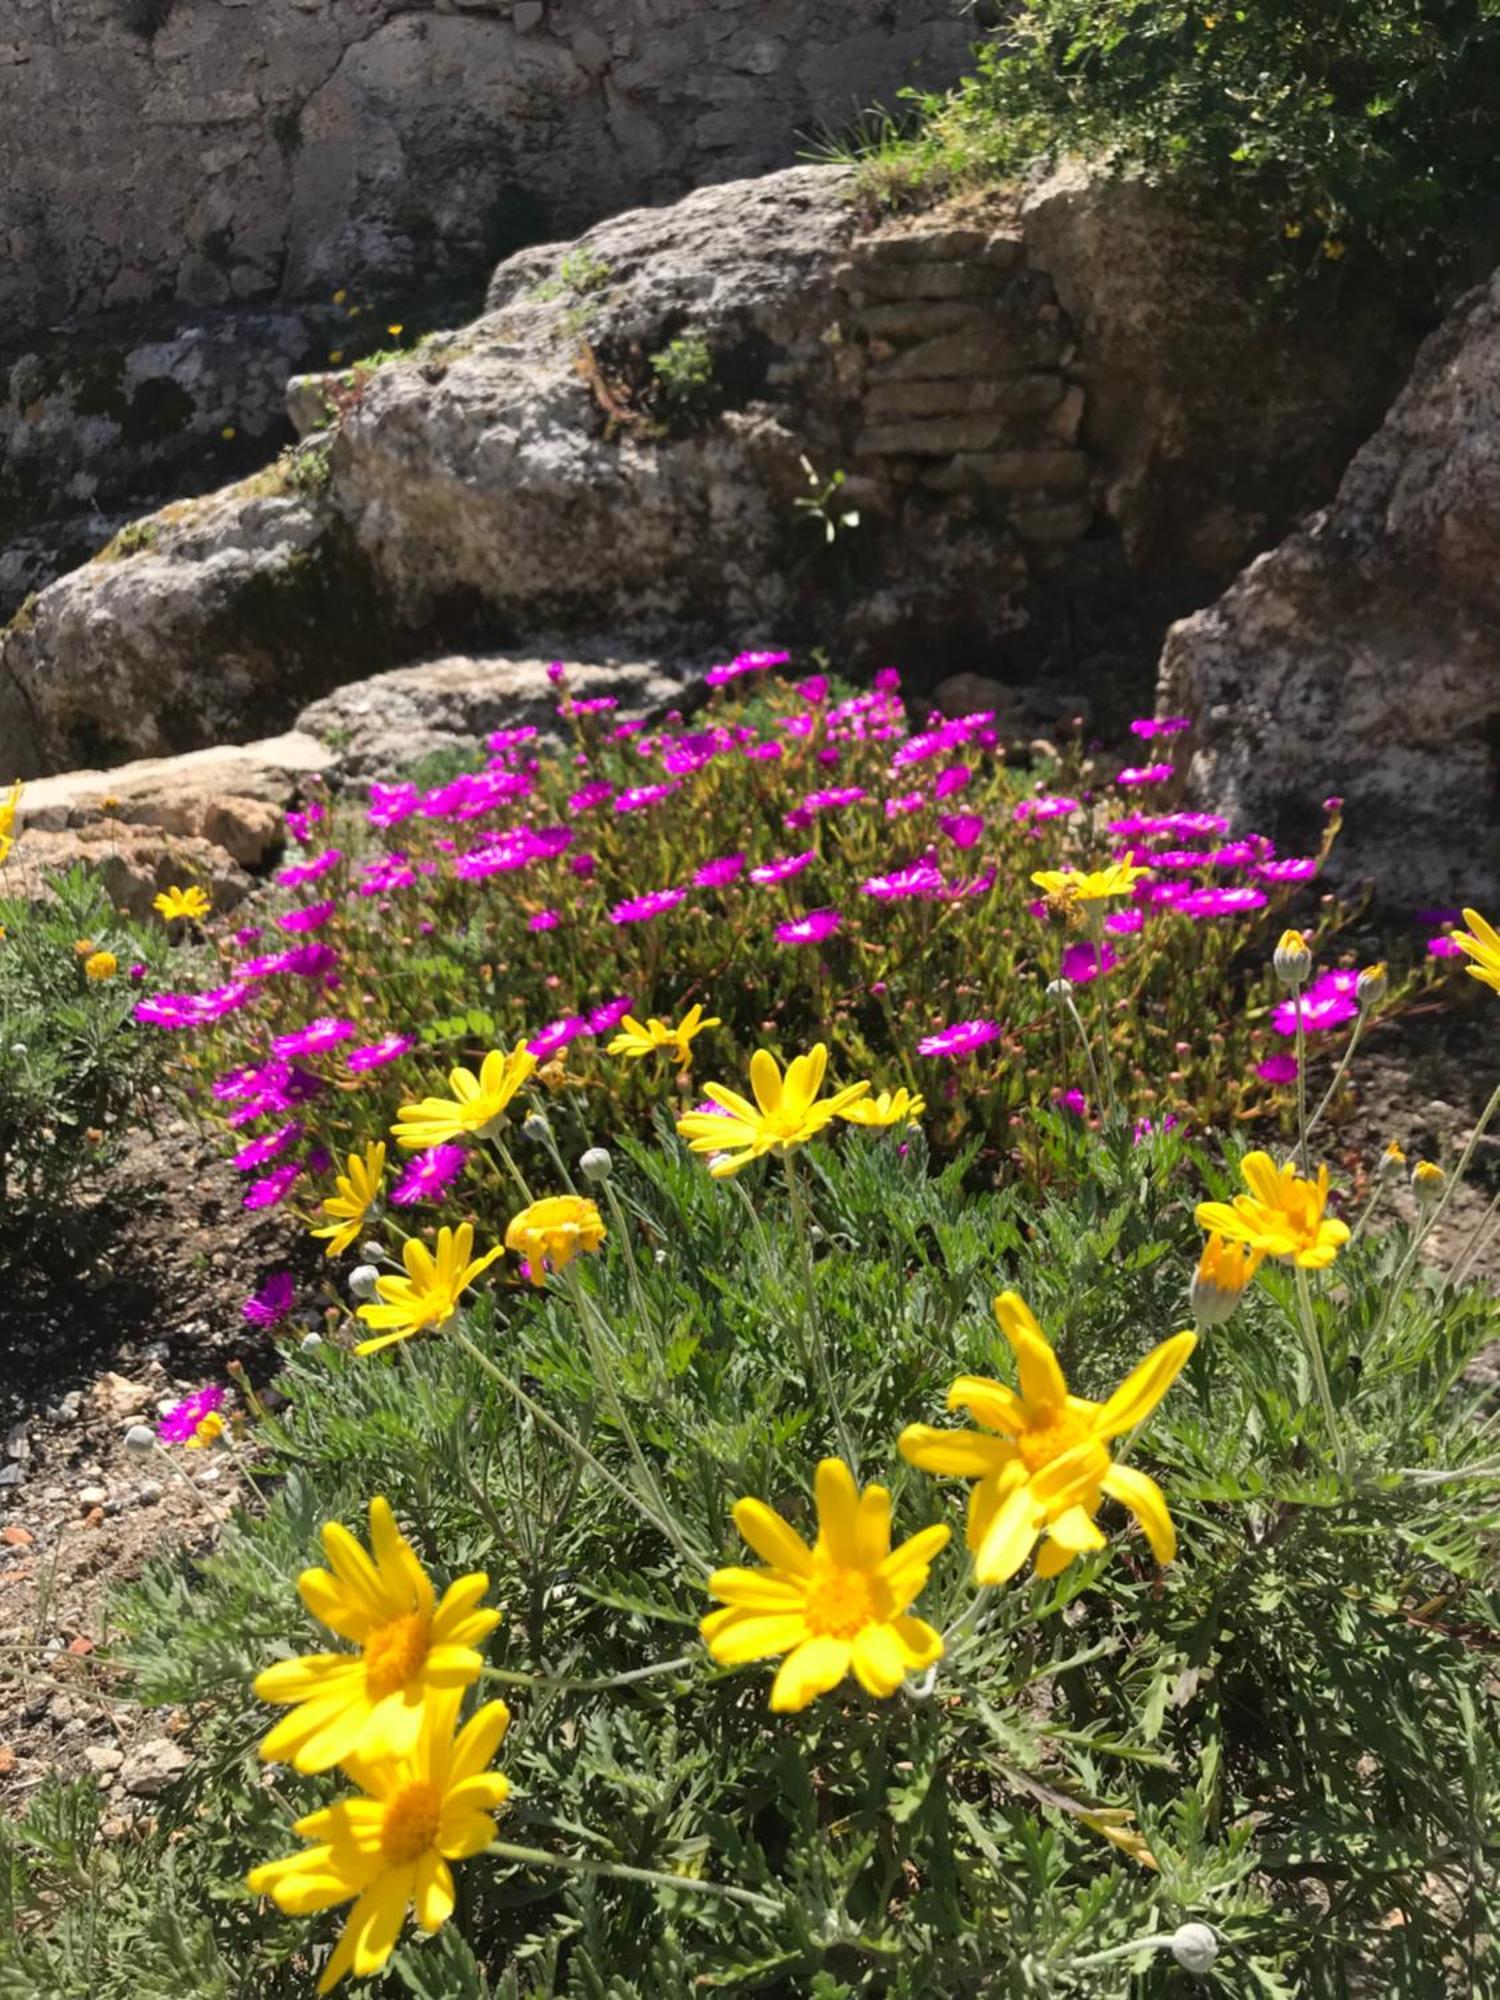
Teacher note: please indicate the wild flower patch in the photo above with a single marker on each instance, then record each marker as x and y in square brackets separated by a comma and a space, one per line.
[801, 1489]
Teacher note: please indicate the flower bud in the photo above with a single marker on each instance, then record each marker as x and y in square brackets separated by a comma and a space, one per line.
[535, 1126]
[1293, 959]
[1060, 992]
[1195, 1947]
[596, 1164]
[1391, 1162]
[1219, 1282]
[371, 1251]
[1372, 985]
[362, 1281]
[310, 1341]
[140, 1437]
[1427, 1180]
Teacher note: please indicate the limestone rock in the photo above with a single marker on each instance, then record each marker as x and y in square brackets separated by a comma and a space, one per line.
[134, 863]
[378, 726]
[149, 1767]
[1362, 656]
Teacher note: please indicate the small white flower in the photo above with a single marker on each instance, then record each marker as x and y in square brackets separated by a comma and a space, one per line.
[1195, 1947]
[596, 1164]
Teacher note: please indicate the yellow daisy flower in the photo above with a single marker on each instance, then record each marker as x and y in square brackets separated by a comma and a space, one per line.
[10, 805]
[100, 965]
[358, 1192]
[1481, 943]
[845, 1602]
[476, 1107]
[891, 1107]
[554, 1231]
[389, 1849]
[1046, 1471]
[428, 1296]
[787, 1111]
[1282, 1216]
[192, 903]
[412, 1648]
[208, 1430]
[643, 1038]
[1117, 878]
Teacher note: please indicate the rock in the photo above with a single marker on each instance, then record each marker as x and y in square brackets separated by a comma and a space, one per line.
[16, 1538]
[134, 864]
[970, 694]
[18, 1444]
[92, 1496]
[148, 1768]
[12, 1475]
[149, 1492]
[1362, 656]
[103, 1759]
[380, 725]
[119, 1398]
[69, 1405]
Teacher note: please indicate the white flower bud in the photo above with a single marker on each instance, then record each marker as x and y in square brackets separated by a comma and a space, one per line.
[371, 1251]
[362, 1281]
[1427, 1180]
[140, 1437]
[18, 1048]
[1195, 1947]
[596, 1164]
[1372, 986]
[1060, 992]
[535, 1126]
[311, 1341]
[1293, 960]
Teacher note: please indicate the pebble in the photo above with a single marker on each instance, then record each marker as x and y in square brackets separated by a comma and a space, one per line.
[18, 1444]
[12, 1475]
[103, 1759]
[70, 1405]
[92, 1496]
[148, 1492]
[16, 1538]
[151, 1766]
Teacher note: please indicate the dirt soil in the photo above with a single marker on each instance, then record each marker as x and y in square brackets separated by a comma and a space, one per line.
[157, 1313]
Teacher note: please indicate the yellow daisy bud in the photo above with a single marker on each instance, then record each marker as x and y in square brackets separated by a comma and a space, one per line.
[1293, 959]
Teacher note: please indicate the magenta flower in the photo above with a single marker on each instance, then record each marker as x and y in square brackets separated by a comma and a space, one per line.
[744, 663]
[1160, 725]
[610, 1014]
[1046, 806]
[887, 681]
[1279, 1068]
[273, 1188]
[301, 824]
[429, 1175]
[184, 1418]
[718, 874]
[598, 794]
[1293, 869]
[782, 870]
[961, 1038]
[1073, 1102]
[814, 690]
[311, 919]
[645, 795]
[1327, 1003]
[270, 1305]
[1201, 904]
[963, 829]
[1083, 962]
[1146, 1128]
[1443, 947]
[640, 909]
[261, 1152]
[1189, 825]
[557, 673]
[302, 872]
[318, 1036]
[921, 879]
[374, 1055]
[544, 920]
[906, 802]
[1144, 774]
[1125, 923]
[556, 1036]
[811, 929]
[950, 781]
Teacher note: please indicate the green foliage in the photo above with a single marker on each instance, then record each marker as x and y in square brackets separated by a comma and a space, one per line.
[579, 273]
[1373, 128]
[1296, 1720]
[683, 375]
[73, 1065]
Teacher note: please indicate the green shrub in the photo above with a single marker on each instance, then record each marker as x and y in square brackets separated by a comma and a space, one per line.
[1372, 128]
[73, 1063]
[683, 375]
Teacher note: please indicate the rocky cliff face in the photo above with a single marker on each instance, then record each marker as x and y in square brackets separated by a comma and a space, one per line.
[632, 451]
[1362, 656]
[185, 184]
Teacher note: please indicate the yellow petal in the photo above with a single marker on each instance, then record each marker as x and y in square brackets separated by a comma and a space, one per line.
[989, 1403]
[921, 1644]
[1146, 1501]
[765, 1081]
[1042, 1383]
[878, 1660]
[1075, 1531]
[756, 1589]
[1144, 1387]
[960, 1454]
[838, 1511]
[734, 1636]
[1009, 1537]
[816, 1666]
[433, 1891]
[772, 1539]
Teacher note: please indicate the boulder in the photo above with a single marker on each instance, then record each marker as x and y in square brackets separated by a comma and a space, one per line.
[1362, 656]
[135, 864]
[376, 727]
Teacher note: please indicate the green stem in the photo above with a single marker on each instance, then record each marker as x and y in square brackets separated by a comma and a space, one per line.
[1425, 1228]
[1301, 1080]
[513, 1677]
[573, 1444]
[1088, 1051]
[512, 1169]
[1338, 1076]
[812, 1319]
[579, 1864]
[1320, 1372]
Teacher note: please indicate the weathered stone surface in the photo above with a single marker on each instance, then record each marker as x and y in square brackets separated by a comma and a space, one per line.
[923, 320]
[985, 351]
[1021, 395]
[232, 797]
[932, 437]
[1218, 423]
[293, 148]
[908, 282]
[1019, 471]
[380, 725]
[1362, 656]
[135, 863]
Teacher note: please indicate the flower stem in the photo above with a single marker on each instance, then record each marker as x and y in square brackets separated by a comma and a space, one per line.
[811, 1318]
[513, 1677]
[1301, 1081]
[574, 1445]
[580, 1864]
[1339, 1074]
[1320, 1372]
[1088, 1052]
[1425, 1228]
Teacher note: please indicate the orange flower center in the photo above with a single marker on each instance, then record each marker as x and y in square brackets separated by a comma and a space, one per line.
[1041, 1442]
[411, 1822]
[396, 1653]
[842, 1602]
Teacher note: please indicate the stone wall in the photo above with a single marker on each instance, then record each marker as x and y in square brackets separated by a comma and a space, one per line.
[213, 152]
